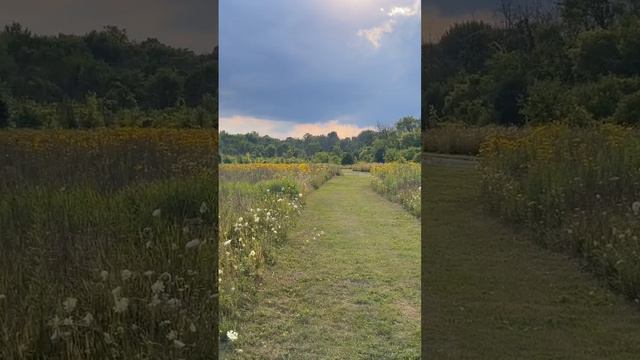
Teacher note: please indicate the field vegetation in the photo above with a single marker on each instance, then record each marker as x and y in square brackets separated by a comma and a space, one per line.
[460, 139]
[259, 205]
[399, 182]
[577, 189]
[108, 244]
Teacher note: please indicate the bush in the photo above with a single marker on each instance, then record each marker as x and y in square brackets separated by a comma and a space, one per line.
[547, 101]
[628, 110]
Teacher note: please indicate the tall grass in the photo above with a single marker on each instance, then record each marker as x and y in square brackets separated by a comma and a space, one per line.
[108, 244]
[462, 140]
[399, 182]
[579, 189]
[259, 204]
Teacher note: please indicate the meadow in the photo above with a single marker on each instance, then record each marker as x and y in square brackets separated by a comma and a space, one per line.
[577, 189]
[108, 244]
[258, 204]
[398, 182]
[455, 139]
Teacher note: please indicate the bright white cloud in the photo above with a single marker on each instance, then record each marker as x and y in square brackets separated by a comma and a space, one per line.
[239, 124]
[374, 34]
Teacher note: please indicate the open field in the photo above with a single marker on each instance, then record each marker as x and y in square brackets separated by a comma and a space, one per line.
[108, 244]
[346, 284]
[492, 293]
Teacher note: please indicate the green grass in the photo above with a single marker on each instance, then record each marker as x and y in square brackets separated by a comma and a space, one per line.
[492, 293]
[346, 284]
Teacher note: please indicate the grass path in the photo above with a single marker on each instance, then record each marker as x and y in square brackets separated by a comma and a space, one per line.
[492, 294]
[352, 293]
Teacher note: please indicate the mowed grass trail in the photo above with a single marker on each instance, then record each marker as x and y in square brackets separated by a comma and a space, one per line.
[491, 293]
[353, 292]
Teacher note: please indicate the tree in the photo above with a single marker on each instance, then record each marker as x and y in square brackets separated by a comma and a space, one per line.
[408, 124]
[347, 159]
[588, 14]
[163, 89]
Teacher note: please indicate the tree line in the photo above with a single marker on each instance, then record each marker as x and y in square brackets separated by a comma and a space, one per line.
[400, 142]
[576, 61]
[103, 78]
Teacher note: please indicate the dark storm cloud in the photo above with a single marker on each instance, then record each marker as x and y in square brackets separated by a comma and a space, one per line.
[191, 24]
[439, 15]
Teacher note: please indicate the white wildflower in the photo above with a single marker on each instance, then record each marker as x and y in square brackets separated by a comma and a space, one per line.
[193, 243]
[156, 213]
[69, 304]
[252, 253]
[87, 319]
[173, 302]
[232, 335]
[121, 305]
[157, 287]
[116, 292]
[226, 243]
[125, 274]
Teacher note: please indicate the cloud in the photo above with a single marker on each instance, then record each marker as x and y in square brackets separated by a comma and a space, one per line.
[374, 34]
[240, 124]
[191, 24]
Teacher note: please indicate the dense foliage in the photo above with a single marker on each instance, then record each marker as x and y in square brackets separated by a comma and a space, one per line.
[578, 61]
[401, 142]
[103, 78]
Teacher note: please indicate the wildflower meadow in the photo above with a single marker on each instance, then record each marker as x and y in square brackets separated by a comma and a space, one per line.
[578, 189]
[399, 182]
[259, 203]
[108, 244]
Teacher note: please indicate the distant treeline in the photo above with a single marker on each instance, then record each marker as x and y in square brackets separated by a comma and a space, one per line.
[398, 143]
[103, 78]
[576, 61]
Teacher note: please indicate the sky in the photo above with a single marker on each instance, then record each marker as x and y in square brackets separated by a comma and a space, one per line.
[439, 15]
[288, 67]
[191, 24]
